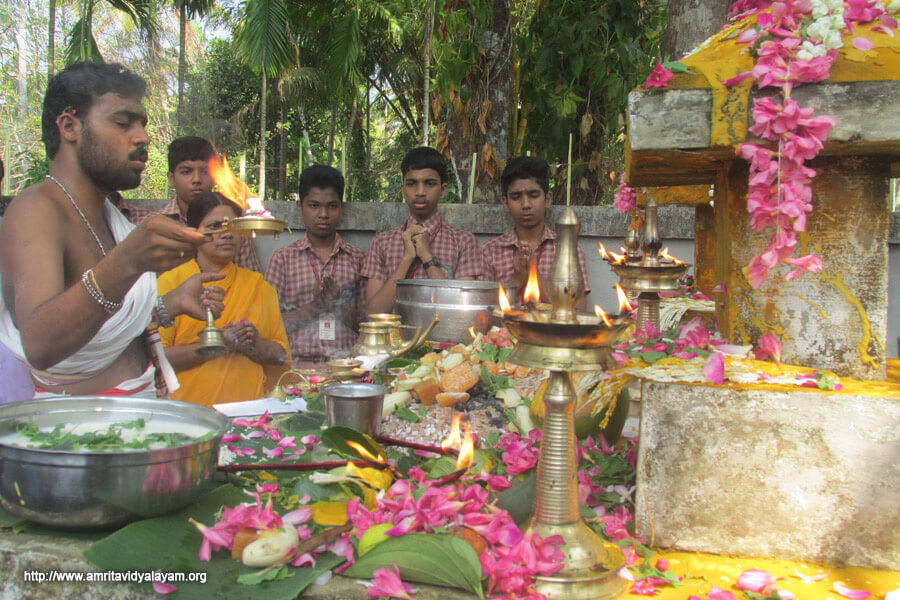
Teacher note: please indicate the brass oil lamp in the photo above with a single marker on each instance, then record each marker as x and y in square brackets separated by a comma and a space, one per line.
[648, 271]
[561, 341]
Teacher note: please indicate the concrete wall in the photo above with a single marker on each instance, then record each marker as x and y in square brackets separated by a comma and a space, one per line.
[598, 224]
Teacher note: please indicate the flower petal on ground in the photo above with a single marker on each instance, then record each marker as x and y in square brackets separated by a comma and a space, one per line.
[846, 592]
[163, 588]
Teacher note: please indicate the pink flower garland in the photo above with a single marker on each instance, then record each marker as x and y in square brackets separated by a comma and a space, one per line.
[780, 194]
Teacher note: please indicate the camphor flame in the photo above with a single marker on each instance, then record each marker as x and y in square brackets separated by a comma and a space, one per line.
[465, 443]
[624, 304]
[472, 331]
[453, 439]
[466, 450]
[532, 289]
[664, 253]
[603, 253]
[503, 300]
[598, 310]
[231, 187]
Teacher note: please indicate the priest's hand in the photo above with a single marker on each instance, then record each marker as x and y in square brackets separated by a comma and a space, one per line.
[192, 298]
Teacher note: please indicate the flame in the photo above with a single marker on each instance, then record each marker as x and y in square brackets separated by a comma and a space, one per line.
[598, 310]
[603, 253]
[624, 304]
[617, 258]
[231, 187]
[503, 300]
[465, 443]
[466, 450]
[664, 253]
[532, 289]
[366, 454]
[472, 331]
[453, 439]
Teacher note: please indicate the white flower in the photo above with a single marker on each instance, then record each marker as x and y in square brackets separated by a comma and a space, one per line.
[833, 40]
[819, 10]
[837, 21]
[893, 6]
[835, 5]
[819, 29]
[810, 50]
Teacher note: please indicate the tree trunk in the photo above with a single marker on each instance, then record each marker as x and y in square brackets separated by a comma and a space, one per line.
[262, 135]
[305, 130]
[426, 101]
[282, 150]
[51, 39]
[689, 23]
[22, 70]
[182, 66]
[344, 157]
[486, 94]
[331, 132]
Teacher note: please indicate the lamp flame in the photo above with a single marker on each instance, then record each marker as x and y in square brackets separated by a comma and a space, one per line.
[366, 454]
[624, 304]
[598, 310]
[231, 187]
[617, 258]
[472, 331]
[664, 253]
[503, 300]
[603, 253]
[532, 289]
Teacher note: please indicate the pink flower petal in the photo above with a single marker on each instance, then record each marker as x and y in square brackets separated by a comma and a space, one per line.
[756, 581]
[861, 43]
[846, 592]
[714, 368]
[625, 573]
[231, 437]
[163, 588]
[716, 593]
[769, 346]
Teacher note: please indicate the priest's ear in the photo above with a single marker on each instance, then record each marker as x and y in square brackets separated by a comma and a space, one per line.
[69, 126]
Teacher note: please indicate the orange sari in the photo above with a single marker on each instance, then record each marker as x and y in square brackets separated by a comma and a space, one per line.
[233, 377]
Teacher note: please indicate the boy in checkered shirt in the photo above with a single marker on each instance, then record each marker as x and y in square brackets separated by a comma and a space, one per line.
[189, 174]
[318, 276]
[525, 184]
[425, 246]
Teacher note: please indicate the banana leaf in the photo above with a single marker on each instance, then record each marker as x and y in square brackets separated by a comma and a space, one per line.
[443, 560]
[171, 544]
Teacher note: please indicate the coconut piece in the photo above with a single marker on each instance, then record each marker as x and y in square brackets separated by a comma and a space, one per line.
[451, 398]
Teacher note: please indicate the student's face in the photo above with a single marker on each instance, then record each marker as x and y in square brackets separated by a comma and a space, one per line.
[422, 189]
[526, 202]
[190, 179]
[221, 246]
[321, 212]
[113, 147]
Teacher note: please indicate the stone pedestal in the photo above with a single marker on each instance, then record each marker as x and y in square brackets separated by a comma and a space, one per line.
[797, 474]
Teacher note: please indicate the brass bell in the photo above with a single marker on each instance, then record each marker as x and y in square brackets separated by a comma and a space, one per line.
[212, 343]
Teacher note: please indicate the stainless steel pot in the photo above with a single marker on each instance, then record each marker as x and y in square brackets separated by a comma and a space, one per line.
[459, 304]
[98, 490]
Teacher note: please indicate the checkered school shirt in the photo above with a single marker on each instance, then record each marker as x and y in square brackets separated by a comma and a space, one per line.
[456, 249]
[295, 271]
[500, 252]
[133, 213]
[245, 255]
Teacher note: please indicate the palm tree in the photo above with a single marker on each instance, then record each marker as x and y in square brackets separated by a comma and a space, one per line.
[265, 44]
[83, 46]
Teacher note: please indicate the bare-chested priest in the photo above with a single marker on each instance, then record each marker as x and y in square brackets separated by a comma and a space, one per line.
[79, 282]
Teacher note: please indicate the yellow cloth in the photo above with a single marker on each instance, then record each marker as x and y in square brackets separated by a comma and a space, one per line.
[701, 571]
[233, 377]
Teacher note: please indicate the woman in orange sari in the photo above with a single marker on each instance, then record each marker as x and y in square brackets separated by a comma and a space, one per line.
[251, 322]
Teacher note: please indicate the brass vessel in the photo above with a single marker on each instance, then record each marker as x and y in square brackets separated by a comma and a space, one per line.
[211, 341]
[396, 324]
[375, 338]
[254, 225]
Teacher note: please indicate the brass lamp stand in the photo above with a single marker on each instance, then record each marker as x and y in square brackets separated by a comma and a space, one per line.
[646, 273]
[562, 341]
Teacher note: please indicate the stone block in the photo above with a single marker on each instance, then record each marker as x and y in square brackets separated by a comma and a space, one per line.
[804, 475]
[836, 319]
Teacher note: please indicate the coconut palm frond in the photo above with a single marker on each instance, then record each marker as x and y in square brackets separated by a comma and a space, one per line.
[82, 45]
[344, 48]
[301, 81]
[264, 38]
[141, 12]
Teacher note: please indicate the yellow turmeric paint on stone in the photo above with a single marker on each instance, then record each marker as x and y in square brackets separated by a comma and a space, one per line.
[863, 346]
[813, 304]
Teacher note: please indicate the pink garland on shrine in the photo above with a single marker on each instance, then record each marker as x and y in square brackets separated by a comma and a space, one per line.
[800, 41]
